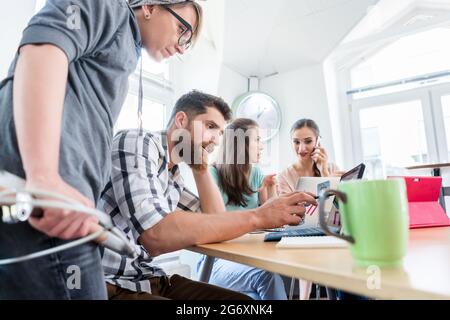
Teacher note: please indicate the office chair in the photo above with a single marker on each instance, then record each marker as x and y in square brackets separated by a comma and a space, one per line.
[445, 191]
[331, 293]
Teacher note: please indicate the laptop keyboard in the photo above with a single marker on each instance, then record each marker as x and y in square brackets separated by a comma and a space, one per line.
[304, 232]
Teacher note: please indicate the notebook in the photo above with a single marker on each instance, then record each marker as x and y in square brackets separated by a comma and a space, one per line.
[311, 242]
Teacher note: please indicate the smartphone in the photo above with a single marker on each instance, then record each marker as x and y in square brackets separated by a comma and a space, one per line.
[317, 142]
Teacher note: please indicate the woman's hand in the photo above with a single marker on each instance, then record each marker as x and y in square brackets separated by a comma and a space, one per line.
[268, 189]
[269, 181]
[320, 158]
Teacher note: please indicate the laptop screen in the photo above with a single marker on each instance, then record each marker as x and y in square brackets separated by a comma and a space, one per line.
[353, 174]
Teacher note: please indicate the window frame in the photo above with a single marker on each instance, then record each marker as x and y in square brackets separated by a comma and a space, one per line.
[423, 95]
[436, 94]
[431, 93]
[154, 91]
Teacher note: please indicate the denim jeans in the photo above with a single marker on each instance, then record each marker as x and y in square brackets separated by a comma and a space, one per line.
[71, 274]
[256, 283]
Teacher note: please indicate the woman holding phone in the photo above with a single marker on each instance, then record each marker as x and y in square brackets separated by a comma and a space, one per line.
[312, 157]
[312, 161]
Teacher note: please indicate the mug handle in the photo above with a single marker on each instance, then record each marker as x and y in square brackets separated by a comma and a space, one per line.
[322, 221]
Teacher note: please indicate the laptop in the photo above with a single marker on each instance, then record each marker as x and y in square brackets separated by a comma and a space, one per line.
[424, 208]
[315, 231]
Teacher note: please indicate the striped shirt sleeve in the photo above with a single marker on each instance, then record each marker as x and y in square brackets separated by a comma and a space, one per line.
[188, 201]
[138, 191]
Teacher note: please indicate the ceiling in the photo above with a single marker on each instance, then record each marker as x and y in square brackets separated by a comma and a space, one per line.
[263, 37]
[388, 22]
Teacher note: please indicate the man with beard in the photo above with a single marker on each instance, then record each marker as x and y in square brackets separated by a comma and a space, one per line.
[148, 201]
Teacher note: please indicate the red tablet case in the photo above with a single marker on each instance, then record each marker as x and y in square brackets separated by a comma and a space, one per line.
[424, 208]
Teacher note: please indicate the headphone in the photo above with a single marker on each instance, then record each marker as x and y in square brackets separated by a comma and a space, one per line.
[18, 204]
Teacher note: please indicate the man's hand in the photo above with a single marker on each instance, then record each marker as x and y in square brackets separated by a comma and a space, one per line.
[60, 223]
[199, 158]
[287, 209]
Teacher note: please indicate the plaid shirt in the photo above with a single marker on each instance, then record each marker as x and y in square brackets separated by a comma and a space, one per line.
[139, 198]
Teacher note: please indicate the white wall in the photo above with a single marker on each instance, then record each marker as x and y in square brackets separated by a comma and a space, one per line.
[301, 94]
[231, 84]
[199, 69]
[203, 70]
[14, 16]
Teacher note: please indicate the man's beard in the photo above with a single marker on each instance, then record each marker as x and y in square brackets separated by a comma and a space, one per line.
[194, 155]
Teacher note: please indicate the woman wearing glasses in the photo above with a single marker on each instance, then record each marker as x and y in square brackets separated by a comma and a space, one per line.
[59, 102]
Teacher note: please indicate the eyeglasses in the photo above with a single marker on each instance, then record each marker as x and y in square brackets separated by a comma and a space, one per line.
[186, 37]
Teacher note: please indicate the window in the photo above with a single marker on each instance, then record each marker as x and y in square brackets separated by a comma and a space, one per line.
[153, 115]
[390, 143]
[153, 68]
[395, 96]
[446, 114]
[157, 91]
[158, 94]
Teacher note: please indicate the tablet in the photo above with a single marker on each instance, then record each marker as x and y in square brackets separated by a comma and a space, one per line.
[354, 174]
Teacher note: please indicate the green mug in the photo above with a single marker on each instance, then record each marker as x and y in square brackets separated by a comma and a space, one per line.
[374, 217]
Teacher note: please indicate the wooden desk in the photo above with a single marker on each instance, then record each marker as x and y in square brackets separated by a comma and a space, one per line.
[425, 273]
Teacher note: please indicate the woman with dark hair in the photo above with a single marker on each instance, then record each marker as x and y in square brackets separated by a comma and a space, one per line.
[312, 161]
[312, 157]
[244, 186]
